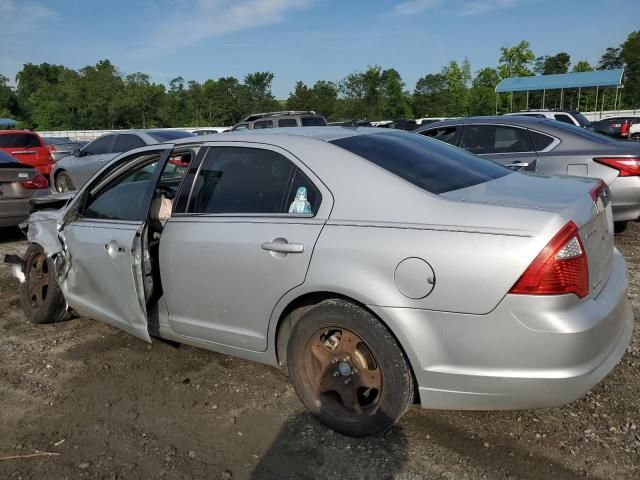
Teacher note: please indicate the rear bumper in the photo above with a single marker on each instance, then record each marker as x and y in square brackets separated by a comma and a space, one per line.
[530, 352]
[14, 212]
[625, 193]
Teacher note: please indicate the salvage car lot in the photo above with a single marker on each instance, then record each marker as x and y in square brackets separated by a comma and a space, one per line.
[112, 406]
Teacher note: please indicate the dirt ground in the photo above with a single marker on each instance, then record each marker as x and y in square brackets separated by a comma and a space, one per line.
[108, 406]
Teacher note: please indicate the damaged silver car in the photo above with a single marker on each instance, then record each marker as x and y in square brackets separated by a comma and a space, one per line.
[377, 267]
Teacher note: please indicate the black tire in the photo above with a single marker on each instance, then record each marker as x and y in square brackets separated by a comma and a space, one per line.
[372, 409]
[64, 182]
[619, 227]
[40, 296]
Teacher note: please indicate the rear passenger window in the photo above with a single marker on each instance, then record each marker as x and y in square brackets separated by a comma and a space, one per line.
[483, 139]
[540, 140]
[287, 122]
[262, 124]
[127, 142]
[99, 146]
[238, 180]
[313, 122]
[444, 134]
[561, 117]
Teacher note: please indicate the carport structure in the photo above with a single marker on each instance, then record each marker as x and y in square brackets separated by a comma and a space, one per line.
[600, 79]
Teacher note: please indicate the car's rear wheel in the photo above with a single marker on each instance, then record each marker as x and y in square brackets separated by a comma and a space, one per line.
[40, 296]
[619, 227]
[64, 183]
[348, 369]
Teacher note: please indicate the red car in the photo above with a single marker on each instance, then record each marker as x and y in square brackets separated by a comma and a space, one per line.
[28, 148]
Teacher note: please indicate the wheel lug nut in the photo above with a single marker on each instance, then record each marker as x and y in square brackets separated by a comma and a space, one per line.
[334, 360]
[354, 371]
[347, 381]
[345, 359]
[336, 374]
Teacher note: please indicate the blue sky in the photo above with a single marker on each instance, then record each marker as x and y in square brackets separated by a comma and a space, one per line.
[304, 40]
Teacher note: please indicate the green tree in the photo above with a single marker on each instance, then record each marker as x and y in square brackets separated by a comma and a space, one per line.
[301, 98]
[582, 66]
[482, 96]
[458, 79]
[516, 61]
[325, 98]
[548, 65]
[430, 97]
[9, 106]
[259, 89]
[611, 59]
[395, 102]
[630, 53]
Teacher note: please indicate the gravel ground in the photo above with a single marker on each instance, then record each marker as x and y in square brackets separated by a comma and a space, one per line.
[105, 405]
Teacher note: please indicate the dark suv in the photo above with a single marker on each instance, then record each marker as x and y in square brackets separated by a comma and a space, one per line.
[281, 119]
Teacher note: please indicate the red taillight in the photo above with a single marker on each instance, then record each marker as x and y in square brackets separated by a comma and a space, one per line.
[596, 191]
[625, 128]
[35, 183]
[561, 267]
[627, 166]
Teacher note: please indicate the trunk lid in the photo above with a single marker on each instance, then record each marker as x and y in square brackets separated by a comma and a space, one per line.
[10, 178]
[566, 195]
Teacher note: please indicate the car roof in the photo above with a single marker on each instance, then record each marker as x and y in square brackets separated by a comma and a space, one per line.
[5, 132]
[522, 121]
[278, 135]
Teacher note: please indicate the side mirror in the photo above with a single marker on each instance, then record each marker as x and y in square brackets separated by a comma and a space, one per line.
[77, 152]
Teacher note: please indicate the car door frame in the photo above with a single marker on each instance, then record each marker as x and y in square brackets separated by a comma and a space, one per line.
[217, 340]
[136, 321]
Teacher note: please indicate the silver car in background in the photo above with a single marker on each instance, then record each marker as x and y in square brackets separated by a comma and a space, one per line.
[377, 267]
[61, 147]
[551, 147]
[73, 171]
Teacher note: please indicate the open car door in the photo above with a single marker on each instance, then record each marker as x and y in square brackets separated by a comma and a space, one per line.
[106, 241]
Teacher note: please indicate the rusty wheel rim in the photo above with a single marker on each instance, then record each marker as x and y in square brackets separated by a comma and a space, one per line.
[38, 280]
[342, 372]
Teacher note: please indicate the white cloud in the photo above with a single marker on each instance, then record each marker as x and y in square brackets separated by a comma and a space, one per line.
[463, 7]
[24, 11]
[411, 7]
[478, 7]
[212, 18]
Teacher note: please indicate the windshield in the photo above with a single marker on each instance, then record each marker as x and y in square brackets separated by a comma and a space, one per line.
[582, 120]
[429, 164]
[56, 140]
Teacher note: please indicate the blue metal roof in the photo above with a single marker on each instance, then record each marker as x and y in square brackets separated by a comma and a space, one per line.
[7, 122]
[600, 78]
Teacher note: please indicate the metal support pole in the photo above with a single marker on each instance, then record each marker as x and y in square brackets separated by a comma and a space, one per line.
[513, 94]
[595, 108]
[615, 102]
[579, 92]
[561, 97]
[497, 95]
[544, 92]
[527, 99]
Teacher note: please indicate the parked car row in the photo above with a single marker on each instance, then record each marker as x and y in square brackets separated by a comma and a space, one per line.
[551, 147]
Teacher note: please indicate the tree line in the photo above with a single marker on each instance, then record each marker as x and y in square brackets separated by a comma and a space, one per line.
[54, 97]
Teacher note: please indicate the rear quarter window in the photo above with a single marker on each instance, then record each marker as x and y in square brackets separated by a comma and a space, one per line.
[433, 166]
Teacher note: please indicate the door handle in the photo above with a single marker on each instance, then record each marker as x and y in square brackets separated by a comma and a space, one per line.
[283, 247]
[517, 165]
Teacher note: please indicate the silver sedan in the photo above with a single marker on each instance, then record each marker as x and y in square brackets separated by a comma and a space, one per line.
[378, 268]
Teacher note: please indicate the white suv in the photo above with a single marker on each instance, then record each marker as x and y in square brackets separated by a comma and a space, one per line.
[571, 117]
